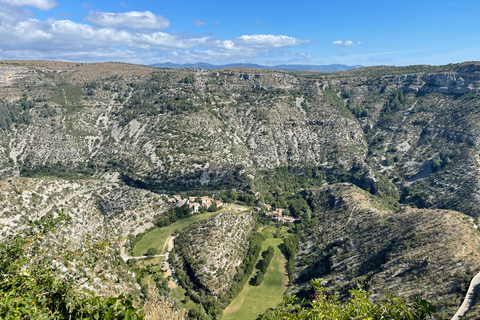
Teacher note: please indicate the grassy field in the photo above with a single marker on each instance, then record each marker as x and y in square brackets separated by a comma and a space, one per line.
[157, 237]
[179, 294]
[255, 300]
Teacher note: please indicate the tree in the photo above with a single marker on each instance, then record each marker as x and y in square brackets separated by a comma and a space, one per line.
[152, 252]
[258, 279]
[213, 208]
[358, 306]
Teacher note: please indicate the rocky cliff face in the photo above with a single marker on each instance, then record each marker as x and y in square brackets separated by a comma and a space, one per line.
[185, 129]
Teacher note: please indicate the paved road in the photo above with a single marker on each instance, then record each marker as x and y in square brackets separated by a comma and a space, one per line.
[469, 298]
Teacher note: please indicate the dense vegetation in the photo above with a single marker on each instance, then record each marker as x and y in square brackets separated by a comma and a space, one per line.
[263, 266]
[290, 247]
[58, 169]
[15, 112]
[359, 305]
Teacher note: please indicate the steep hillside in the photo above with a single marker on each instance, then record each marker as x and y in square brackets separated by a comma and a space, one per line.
[96, 207]
[212, 250]
[407, 136]
[407, 133]
[95, 218]
[354, 239]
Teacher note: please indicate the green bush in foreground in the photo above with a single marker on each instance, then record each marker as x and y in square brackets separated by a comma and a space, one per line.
[358, 306]
[31, 289]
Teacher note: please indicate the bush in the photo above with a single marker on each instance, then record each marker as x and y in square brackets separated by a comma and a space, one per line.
[30, 289]
[358, 306]
[258, 279]
[152, 252]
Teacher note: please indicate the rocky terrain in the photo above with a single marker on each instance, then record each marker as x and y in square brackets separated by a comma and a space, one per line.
[432, 253]
[403, 133]
[395, 149]
[96, 207]
[98, 215]
[212, 250]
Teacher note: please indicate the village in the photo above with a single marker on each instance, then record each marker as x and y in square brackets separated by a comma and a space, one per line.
[205, 202]
[195, 203]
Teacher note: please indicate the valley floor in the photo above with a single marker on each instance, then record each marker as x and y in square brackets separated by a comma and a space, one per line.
[253, 301]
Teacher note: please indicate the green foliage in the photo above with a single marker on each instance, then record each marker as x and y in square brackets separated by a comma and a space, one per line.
[336, 103]
[248, 199]
[188, 80]
[30, 288]
[282, 182]
[229, 196]
[445, 157]
[213, 208]
[58, 169]
[395, 102]
[357, 306]
[174, 214]
[289, 248]
[267, 257]
[46, 111]
[68, 95]
[16, 112]
[357, 111]
[258, 279]
[298, 206]
[263, 266]
[152, 252]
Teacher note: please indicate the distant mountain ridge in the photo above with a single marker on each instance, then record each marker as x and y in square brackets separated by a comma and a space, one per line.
[296, 67]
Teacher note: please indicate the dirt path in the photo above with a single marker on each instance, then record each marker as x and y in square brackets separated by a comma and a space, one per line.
[168, 244]
[126, 257]
[469, 298]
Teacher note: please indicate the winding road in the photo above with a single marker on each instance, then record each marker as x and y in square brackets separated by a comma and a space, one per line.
[168, 244]
[469, 298]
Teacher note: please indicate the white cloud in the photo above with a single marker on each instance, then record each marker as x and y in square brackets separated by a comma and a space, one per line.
[199, 23]
[39, 4]
[347, 43]
[126, 37]
[131, 19]
[268, 41]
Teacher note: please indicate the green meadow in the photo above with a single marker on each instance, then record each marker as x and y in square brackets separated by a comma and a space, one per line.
[157, 237]
[253, 301]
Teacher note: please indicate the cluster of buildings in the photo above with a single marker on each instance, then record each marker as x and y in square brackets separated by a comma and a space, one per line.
[277, 215]
[204, 202]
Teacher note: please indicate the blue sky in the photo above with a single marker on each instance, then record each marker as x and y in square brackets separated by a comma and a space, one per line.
[265, 32]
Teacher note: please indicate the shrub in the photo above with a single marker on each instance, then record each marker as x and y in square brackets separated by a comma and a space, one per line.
[358, 306]
[30, 288]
